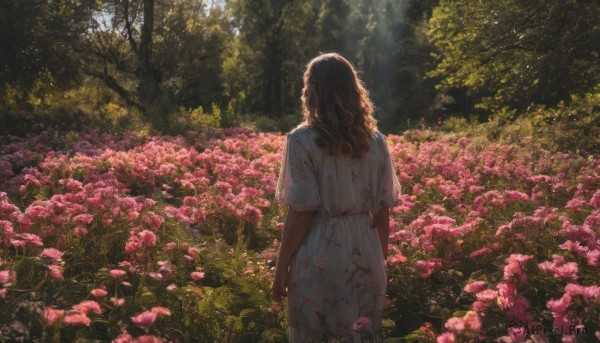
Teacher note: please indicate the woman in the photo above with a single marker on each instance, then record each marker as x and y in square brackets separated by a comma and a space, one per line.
[338, 180]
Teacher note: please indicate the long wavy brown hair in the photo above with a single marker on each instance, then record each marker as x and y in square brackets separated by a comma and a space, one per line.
[336, 103]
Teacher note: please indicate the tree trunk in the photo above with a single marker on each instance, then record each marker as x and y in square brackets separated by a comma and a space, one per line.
[149, 88]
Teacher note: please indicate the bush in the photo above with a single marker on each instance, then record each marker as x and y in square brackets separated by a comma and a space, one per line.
[264, 123]
[574, 126]
[568, 127]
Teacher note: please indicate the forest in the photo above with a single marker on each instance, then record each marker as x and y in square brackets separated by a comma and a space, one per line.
[122, 63]
[141, 141]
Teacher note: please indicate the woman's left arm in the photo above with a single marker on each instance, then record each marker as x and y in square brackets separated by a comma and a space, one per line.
[294, 229]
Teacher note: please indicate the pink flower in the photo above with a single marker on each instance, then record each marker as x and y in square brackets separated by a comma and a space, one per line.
[559, 307]
[171, 287]
[506, 295]
[516, 196]
[479, 306]
[117, 273]
[547, 266]
[124, 337]
[145, 319]
[575, 204]
[558, 259]
[567, 270]
[171, 245]
[361, 324]
[83, 219]
[197, 276]
[446, 337]
[87, 306]
[485, 251]
[518, 258]
[472, 321]
[148, 237]
[423, 268]
[127, 203]
[51, 253]
[398, 258]
[80, 231]
[574, 289]
[98, 292]
[4, 276]
[117, 302]
[155, 276]
[575, 247]
[251, 214]
[55, 272]
[487, 295]
[593, 257]
[474, 287]
[148, 339]
[161, 311]
[132, 245]
[26, 238]
[188, 258]
[591, 292]
[455, 324]
[595, 203]
[514, 268]
[51, 315]
[76, 319]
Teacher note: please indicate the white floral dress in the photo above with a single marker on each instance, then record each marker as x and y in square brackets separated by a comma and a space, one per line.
[338, 273]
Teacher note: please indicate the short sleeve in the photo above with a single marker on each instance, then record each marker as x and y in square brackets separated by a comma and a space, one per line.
[390, 189]
[297, 185]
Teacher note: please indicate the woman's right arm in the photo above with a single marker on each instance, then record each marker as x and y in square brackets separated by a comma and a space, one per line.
[382, 222]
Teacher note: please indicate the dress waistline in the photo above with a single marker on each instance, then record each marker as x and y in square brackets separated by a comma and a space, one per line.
[345, 216]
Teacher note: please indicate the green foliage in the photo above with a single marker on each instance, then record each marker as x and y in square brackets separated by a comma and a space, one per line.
[266, 60]
[569, 126]
[264, 123]
[574, 126]
[233, 305]
[188, 48]
[277, 39]
[510, 54]
[232, 113]
[197, 119]
[40, 40]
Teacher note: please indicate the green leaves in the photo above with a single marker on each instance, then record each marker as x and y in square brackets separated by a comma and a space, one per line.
[511, 54]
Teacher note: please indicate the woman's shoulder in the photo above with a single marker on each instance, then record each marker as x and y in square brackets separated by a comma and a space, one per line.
[380, 140]
[379, 136]
[303, 129]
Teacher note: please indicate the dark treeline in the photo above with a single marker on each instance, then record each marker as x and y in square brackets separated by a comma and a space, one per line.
[421, 59]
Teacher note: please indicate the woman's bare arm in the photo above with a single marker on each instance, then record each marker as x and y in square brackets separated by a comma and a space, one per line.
[382, 222]
[294, 229]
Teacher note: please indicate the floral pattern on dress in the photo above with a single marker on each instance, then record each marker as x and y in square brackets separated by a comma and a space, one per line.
[338, 273]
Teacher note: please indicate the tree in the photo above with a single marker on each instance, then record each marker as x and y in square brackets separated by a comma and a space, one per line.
[130, 22]
[510, 54]
[159, 53]
[39, 44]
[271, 51]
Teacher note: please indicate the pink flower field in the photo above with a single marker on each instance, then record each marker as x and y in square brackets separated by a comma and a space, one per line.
[136, 238]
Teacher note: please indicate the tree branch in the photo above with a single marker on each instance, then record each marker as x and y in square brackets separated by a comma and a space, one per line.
[130, 38]
[113, 84]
